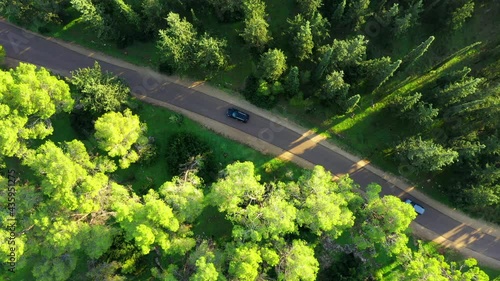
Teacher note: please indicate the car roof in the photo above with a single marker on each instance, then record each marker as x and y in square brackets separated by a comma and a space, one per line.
[419, 209]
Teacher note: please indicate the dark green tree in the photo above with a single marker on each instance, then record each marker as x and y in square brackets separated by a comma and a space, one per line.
[309, 7]
[33, 14]
[272, 65]
[384, 74]
[227, 10]
[461, 14]
[153, 15]
[425, 155]
[350, 103]
[334, 88]
[98, 91]
[92, 15]
[302, 41]
[456, 92]
[412, 108]
[349, 52]
[357, 10]
[410, 18]
[255, 32]
[292, 82]
[410, 59]
[210, 53]
[339, 10]
[323, 64]
[176, 43]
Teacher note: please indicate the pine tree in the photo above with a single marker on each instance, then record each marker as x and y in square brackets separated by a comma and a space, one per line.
[461, 14]
[292, 82]
[303, 42]
[455, 92]
[416, 53]
[339, 11]
[349, 104]
[256, 32]
[334, 88]
[322, 65]
[385, 74]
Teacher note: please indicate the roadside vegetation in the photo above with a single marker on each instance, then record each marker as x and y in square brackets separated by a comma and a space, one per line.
[120, 200]
[411, 86]
[358, 73]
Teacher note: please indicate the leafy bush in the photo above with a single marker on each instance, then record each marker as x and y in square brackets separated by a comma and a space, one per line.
[257, 92]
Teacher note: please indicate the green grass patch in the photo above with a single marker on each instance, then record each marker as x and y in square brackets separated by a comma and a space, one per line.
[139, 53]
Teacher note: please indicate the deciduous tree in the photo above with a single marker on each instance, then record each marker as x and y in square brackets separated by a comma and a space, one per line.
[272, 65]
[28, 98]
[238, 188]
[99, 92]
[117, 132]
[298, 262]
[92, 15]
[33, 14]
[153, 12]
[323, 204]
[210, 53]
[245, 262]
[382, 224]
[184, 197]
[265, 220]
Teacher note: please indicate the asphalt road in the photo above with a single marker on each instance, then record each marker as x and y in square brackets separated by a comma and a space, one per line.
[26, 47]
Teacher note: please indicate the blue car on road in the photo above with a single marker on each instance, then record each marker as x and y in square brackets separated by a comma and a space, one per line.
[237, 114]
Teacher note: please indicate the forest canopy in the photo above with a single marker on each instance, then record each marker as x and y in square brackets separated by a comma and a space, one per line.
[73, 213]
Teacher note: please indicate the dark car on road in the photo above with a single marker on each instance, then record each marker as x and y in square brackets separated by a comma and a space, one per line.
[419, 209]
[237, 114]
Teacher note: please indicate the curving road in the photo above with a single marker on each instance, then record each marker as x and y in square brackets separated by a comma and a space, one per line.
[438, 223]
